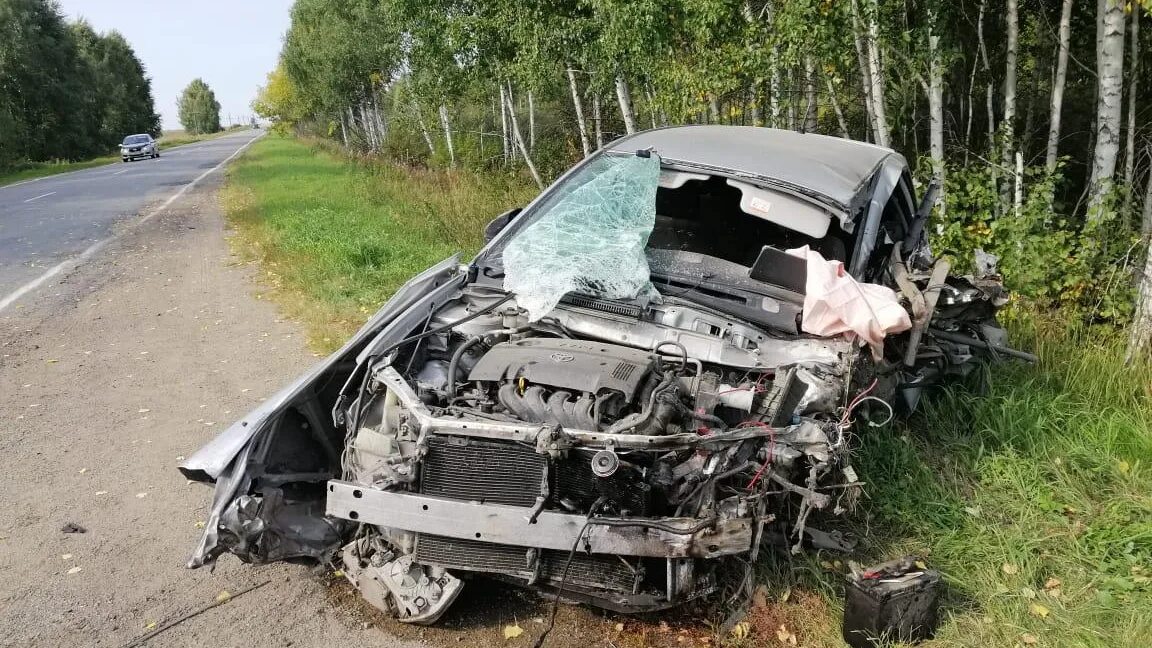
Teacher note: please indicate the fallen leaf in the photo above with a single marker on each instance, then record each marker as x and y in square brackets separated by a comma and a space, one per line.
[974, 511]
[83, 470]
[785, 636]
[53, 361]
[149, 625]
[143, 410]
[75, 570]
[619, 627]
[66, 557]
[1028, 639]
[1028, 592]
[1123, 467]
[1038, 610]
[920, 565]
[339, 573]
[1009, 568]
[741, 630]
[141, 495]
[101, 492]
[513, 631]
[223, 596]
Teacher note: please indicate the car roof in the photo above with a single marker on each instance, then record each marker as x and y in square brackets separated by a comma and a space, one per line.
[834, 168]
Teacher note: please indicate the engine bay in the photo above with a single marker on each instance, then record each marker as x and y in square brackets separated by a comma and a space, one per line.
[677, 463]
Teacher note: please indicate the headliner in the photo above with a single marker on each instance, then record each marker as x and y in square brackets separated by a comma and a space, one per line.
[832, 167]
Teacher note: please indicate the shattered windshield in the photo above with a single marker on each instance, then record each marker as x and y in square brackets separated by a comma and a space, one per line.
[589, 237]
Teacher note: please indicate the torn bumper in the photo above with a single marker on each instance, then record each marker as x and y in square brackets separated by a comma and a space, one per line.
[665, 537]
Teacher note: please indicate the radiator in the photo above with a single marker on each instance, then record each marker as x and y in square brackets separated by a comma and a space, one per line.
[493, 472]
[500, 472]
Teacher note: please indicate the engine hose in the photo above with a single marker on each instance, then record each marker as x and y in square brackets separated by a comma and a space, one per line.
[643, 418]
[454, 363]
[716, 421]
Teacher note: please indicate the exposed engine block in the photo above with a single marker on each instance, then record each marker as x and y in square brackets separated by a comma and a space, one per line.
[571, 383]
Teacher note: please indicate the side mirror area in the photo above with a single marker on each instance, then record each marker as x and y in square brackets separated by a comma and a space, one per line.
[496, 225]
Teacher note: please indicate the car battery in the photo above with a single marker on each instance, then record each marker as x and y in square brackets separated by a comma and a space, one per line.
[892, 602]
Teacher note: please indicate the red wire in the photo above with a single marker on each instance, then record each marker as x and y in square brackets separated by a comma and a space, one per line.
[771, 449]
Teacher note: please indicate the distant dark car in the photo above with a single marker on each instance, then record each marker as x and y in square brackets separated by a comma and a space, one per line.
[139, 146]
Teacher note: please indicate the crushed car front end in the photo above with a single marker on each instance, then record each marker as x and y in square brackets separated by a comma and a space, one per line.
[621, 398]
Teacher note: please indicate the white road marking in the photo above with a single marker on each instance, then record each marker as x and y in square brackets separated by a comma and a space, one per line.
[121, 171]
[40, 196]
[99, 245]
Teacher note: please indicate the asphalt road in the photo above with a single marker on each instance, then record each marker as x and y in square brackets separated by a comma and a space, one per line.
[49, 224]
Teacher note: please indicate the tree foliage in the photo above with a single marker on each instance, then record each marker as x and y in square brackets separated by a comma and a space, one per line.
[940, 72]
[66, 92]
[198, 109]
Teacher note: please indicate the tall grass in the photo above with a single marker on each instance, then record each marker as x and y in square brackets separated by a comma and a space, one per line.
[1029, 487]
[337, 237]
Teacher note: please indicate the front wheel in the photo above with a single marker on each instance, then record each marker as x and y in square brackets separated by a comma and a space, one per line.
[125, 159]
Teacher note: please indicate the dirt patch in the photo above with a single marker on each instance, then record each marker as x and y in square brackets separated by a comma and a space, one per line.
[109, 376]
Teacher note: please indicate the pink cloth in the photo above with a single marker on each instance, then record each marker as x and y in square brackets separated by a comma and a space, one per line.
[835, 303]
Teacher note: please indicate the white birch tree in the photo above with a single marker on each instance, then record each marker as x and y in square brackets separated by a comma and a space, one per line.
[1109, 90]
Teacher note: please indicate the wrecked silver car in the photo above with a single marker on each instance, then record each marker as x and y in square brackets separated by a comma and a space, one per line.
[648, 373]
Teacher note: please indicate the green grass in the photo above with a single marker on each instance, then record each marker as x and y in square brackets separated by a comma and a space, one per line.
[1033, 498]
[337, 237]
[32, 170]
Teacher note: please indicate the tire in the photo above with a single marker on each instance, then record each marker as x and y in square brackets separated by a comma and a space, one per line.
[125, 159]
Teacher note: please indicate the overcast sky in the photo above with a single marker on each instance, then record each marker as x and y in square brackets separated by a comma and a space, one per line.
[231, 44]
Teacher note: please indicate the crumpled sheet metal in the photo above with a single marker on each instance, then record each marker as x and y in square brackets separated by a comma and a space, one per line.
[590, 241]
[836, 304]
[271, 528]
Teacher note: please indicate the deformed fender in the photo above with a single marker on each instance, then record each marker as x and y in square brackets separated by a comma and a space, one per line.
[225, 459]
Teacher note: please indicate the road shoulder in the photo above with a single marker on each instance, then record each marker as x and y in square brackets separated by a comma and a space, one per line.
[111, 375]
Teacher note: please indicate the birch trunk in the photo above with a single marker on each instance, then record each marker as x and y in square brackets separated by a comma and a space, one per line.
[596, 122]
[1141, 333]
[423, 127]
[876, 68]
[810, 115]
[1146, 222]
[1008, 120]
[343, 130]
[936, 112]
[1110, 81]
[520, 140]
[840, 121]
[531, 122]
[968, 118]
[352, 125]
[865, 75]
[624, 97]
[651, 103]
[447, 126]
[754, 99]
[369, 127]
[582, 125]
[506, 138]
[713, 110]
[381, 124]
[774, 88]
[988, 99]
[1058, 88]
[1133, 86]
[875, 77]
